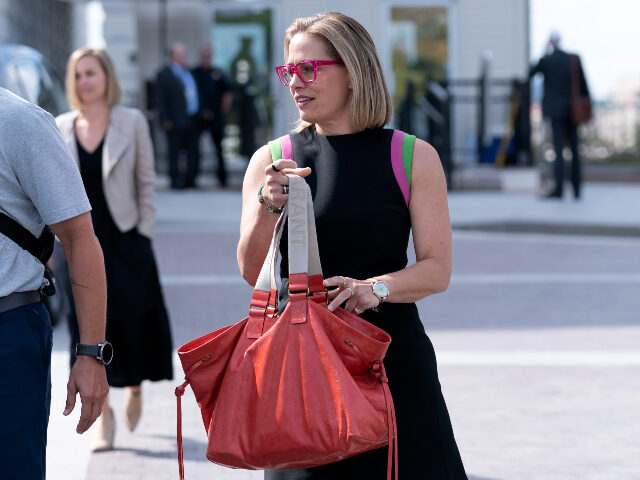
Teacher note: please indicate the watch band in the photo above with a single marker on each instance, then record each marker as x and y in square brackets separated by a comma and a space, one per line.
[96, 351]
[90, 350]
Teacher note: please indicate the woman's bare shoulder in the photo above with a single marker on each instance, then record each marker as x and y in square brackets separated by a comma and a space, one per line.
[426, 161]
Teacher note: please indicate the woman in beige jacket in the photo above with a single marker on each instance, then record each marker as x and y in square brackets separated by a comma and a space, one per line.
[112, 147]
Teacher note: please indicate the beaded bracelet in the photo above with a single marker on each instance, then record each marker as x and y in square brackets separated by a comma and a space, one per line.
[269, 208]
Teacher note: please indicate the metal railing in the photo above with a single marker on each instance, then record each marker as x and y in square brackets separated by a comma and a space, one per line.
[431, 117]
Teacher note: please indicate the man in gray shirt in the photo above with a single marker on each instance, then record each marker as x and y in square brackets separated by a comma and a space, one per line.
[40, 184]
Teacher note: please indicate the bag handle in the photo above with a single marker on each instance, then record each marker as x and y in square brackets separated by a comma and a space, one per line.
[304, 255]
[305, 271]
[283, 148]
[264, 300]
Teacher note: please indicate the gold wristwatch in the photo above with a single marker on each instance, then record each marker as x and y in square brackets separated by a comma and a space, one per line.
[380, 289]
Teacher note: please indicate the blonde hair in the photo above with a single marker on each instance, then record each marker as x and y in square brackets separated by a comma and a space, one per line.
[349, 42]
[113, 92]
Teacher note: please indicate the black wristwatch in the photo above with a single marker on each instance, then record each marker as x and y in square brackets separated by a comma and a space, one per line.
[103, 352]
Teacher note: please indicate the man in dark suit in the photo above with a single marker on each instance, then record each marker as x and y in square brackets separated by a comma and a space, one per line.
[215, 95]
[556, 105]
[178, 106]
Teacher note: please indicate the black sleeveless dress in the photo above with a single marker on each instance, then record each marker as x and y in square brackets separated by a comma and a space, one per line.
[363, 227]
[137, 320]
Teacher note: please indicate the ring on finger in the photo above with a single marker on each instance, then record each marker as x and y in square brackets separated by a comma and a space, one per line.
[285, 189]
[344, 283]
[275, 169]
[358, 310]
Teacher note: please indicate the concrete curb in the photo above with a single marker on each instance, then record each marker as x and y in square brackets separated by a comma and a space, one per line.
[514, 226]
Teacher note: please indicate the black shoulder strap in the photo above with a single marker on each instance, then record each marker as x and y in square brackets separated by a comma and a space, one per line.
[41, 248]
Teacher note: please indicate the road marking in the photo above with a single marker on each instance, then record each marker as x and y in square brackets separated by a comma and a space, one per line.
[458, 279]
[539, 358]
[512, 237]
[544, 278]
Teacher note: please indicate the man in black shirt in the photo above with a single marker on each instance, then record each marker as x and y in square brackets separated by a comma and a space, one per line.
[215, 101]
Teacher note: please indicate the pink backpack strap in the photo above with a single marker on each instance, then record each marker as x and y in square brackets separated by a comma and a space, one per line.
[287, 149]
[281, 148]
[401, 159]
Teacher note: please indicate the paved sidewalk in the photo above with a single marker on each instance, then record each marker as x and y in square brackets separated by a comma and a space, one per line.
[606, 210]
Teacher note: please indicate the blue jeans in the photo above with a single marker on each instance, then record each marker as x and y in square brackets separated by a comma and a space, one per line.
[25, 391]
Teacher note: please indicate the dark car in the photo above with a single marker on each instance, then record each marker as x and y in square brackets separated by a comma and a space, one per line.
[25, 72]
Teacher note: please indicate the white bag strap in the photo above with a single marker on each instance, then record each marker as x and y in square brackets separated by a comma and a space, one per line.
[304, 256]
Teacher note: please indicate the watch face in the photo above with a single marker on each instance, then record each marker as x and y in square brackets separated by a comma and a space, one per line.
[107, 353]
[380, 289]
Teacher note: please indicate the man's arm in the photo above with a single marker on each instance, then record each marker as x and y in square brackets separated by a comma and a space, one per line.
[86, 270]
[162, 101]
[537, 68]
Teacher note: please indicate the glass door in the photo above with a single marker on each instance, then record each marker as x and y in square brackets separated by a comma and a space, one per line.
[242, 43]
[419, 56]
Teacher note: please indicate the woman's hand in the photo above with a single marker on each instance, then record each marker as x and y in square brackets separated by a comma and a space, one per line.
[274, 192]
[357, 293]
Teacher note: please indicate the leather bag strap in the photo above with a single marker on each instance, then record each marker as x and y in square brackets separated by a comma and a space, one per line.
[267, 277]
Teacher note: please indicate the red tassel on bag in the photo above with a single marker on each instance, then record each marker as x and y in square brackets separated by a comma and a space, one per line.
[179, 393]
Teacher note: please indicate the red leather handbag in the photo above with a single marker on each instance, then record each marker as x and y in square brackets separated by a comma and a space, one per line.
[298, 388]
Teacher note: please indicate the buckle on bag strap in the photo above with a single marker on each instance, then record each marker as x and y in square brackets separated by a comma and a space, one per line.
[298, 295]
[257, 312]
[298, 283]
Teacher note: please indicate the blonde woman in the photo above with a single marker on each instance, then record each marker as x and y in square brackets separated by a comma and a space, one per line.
[363, 218]
[112, 147]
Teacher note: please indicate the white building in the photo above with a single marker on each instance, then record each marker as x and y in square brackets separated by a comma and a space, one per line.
[458, 34]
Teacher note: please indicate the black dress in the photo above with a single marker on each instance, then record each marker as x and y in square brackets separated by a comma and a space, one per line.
[137, 320]
[363, 227]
